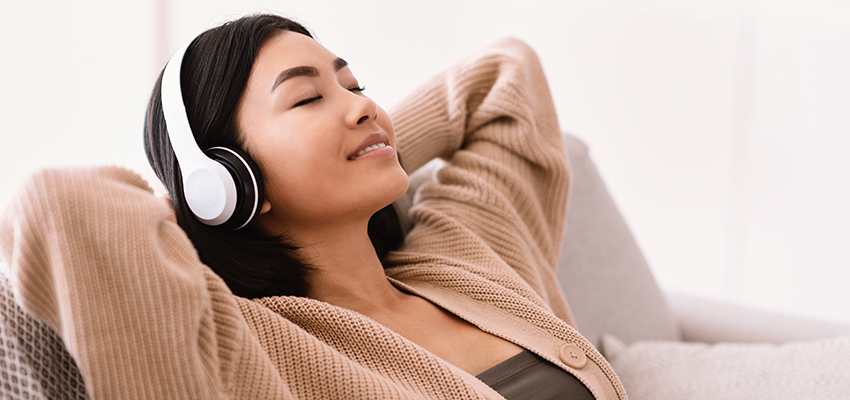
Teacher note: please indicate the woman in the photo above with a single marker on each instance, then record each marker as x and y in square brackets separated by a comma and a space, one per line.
[471, 291]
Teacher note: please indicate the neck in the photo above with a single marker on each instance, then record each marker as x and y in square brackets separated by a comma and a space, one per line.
[348, 272]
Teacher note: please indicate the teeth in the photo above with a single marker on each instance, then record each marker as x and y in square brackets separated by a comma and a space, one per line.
[370, 148]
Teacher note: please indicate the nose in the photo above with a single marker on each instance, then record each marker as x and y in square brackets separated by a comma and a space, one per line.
[361, 110]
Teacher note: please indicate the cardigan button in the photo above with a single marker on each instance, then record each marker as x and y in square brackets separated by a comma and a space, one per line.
[573, 356]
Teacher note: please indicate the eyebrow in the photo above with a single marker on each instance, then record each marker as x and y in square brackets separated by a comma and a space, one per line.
[293, 72]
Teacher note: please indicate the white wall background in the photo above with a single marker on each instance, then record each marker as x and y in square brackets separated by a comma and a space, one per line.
[720, 126]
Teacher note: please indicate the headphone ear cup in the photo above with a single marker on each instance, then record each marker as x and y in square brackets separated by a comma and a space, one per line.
[249, 184]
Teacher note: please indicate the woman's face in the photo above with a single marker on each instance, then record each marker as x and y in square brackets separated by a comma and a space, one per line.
[318, 140]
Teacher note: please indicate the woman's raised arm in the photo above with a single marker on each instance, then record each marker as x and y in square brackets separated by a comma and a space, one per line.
[93, 253]
[492, 118]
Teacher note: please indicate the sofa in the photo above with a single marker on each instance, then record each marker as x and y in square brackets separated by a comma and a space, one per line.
[662, 345]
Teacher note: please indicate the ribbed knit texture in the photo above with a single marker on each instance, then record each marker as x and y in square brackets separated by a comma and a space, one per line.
[93, 254]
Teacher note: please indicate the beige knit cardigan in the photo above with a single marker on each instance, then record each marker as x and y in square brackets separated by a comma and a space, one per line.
[93, 253]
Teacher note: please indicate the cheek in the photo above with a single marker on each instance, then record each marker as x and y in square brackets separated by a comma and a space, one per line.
[300, 172]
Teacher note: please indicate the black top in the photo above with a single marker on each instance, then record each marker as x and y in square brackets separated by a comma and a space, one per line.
[528, 376]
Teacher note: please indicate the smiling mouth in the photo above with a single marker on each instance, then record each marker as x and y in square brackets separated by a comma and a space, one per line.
[375, 146]
[375, 141]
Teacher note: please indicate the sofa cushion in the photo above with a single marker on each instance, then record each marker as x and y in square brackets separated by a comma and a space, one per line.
[660, 370]
[710, 321]
[34, 363]
[602, 272]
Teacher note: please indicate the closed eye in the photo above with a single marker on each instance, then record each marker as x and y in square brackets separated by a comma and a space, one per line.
[307, 101]
[356, 89]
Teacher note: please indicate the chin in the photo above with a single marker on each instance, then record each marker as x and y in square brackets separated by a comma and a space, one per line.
[402, 185]
[393, 185]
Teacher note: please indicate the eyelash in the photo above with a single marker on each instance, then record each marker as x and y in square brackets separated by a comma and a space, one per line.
[304, 102]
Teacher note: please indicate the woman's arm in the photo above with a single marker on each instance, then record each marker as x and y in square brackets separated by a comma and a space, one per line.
[492, 118]
[95, 255]
[504, 81]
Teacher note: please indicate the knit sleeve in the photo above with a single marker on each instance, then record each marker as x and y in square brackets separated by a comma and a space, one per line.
[501, 201]
[93, 253]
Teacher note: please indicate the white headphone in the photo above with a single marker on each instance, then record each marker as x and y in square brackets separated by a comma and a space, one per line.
[219, 184]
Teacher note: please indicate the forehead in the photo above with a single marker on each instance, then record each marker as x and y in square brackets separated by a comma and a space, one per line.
[291, 49]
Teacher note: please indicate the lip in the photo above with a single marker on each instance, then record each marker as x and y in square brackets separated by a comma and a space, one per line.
[372, 139]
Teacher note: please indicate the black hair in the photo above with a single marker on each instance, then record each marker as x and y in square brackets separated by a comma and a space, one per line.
[215, 71]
